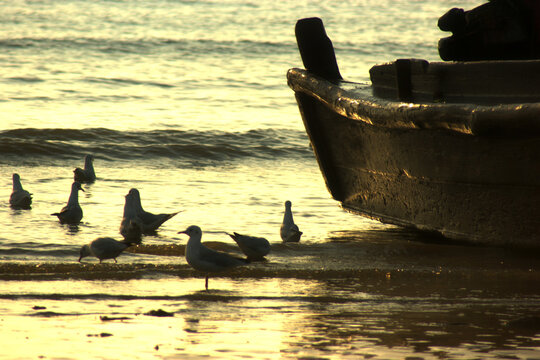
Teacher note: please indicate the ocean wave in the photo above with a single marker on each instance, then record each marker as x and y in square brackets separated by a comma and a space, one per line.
[184, 146]
[25, 79]
[149, 45]
[125, 81]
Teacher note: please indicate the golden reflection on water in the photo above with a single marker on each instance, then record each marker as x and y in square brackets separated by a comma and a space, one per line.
[355, 295]
[263, 318]
[218, 323]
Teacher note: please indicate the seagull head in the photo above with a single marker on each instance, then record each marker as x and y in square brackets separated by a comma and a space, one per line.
[17, 182]
[85, 251]
[192, 231]
[288, 204]
[136, 196]
[129, 197]
[76, 186]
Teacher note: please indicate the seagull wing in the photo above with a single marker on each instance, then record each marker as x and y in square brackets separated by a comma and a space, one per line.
[219, 260]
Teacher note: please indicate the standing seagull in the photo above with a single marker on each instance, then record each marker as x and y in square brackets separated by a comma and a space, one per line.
[104, 248]
[86, 175]
[72, 212]
[204, 259]
[289, 230]
[150, 222]
[255, 248]
[20, 198]
[131, 226]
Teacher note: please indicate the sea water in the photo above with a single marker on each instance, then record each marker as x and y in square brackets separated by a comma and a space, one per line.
[187, 101]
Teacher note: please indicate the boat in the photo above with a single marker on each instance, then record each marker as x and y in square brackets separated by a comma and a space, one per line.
[451, 148]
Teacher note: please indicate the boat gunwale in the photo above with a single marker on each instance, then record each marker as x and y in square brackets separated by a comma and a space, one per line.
[512, 119]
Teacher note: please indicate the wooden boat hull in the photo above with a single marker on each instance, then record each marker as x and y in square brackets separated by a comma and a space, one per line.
[468, 172]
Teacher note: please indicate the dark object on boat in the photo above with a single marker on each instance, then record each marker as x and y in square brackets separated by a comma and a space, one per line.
[497, 30]
[459, 154]
[316, 49]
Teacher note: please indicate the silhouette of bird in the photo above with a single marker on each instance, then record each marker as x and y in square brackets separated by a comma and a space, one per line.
[131, 226]
[289, 230]
[207, 260]
[71, 213]
[86, 175]
[104, 248]
[150, 222]
[20, 198]
[255, 248]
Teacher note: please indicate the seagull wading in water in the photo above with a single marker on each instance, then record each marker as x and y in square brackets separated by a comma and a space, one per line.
[131, 226]
[255, 248]
[104, 248]
[207, 260]
[289, 230]
[150, 222]
[72, 212]
[86, 175]
[20, 198]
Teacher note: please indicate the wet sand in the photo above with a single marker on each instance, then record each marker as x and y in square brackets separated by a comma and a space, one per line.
[371, 294]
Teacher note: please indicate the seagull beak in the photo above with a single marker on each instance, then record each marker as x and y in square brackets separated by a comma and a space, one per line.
[182, 232]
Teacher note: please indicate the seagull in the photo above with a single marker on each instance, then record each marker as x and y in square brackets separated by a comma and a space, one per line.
[131, 229]
[150, 222]
[86, 175]
[204, 259]
[255, 248]
[289, 230]
[20, 198]
[131, 226]
[72, 212]
[104, 248]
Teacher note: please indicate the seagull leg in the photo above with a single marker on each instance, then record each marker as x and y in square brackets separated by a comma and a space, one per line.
[116, 262]
[206, 283]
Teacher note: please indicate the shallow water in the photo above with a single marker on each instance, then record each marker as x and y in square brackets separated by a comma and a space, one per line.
[187, 101]
[355, 295]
